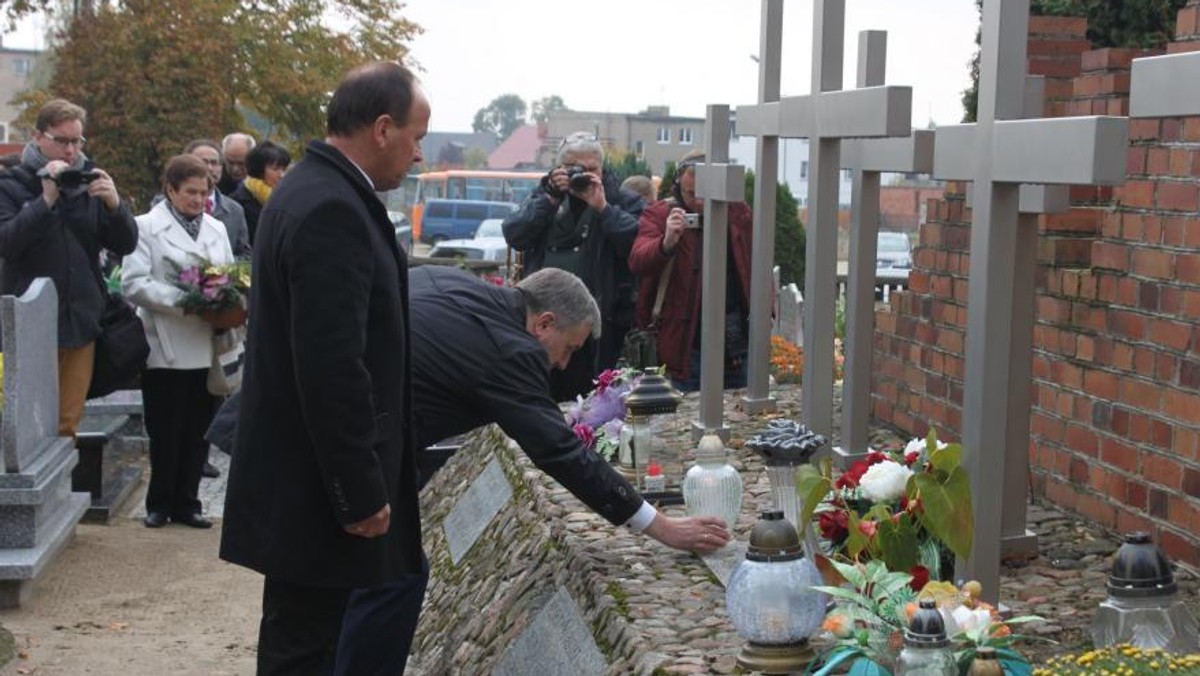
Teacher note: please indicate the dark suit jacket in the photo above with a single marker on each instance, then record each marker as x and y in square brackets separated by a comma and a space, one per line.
[324, 436]
[475, 363]
[234, 217]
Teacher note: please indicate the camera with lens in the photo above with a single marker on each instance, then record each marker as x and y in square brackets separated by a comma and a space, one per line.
[70, 178]
[578, 178]
[691, 221]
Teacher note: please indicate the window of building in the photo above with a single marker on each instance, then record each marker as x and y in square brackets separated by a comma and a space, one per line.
[685, 136]
[664, 135]
[804, 169]
[21, 66]
[639, 149]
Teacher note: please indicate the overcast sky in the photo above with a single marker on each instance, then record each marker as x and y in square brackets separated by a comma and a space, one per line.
[624, 55]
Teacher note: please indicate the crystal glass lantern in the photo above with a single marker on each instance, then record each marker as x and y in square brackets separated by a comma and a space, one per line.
[785, 445]
[652, 418]
[712, 487]
[771, 601]
[927, 649]
[1143, 607]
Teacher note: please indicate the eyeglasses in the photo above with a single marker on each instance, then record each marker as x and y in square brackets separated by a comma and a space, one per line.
[64, 142]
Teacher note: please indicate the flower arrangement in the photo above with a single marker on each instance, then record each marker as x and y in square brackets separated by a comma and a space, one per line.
[212, 288]
[909, 509]
[1122, 659]
[872, 613]
[599, 418]
[787, 360]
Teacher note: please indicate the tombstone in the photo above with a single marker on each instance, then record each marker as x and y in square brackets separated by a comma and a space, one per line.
[475, 509]
[718, 183]
[868, 159]
[38, 511]
[558, 641]
[790, 322]
[999, 153]
[825, 117]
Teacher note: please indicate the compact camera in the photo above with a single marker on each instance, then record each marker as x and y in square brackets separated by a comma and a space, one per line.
[578, 178]
[71, 178]
[691, 221]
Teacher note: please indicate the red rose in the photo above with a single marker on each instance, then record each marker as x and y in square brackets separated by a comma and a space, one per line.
[851, 477]
[876, 457]
[920, 577]
[835, 526]
[585, 434]
[910, 458]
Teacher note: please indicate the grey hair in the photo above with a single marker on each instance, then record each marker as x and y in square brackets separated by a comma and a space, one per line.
[564, 294]
[580, 143]
[237, 136]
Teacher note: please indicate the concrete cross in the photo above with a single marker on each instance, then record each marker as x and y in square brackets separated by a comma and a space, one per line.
[868, 159]
[825, 117]
[999, 153]
[1158, 89]
[717, 183]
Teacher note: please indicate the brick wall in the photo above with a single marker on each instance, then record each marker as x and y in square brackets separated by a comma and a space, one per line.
[1115, 425]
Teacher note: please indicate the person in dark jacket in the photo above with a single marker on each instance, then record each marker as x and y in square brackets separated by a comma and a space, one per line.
[664, 234]
[322, 493]
[234, 149]
[265, 166]
[585, 225]
[54, 226]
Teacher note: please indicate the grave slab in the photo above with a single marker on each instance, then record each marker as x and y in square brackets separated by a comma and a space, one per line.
[475, 510]
[557, 642]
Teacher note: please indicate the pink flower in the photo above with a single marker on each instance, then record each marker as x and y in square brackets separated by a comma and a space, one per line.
[190, 276]
[217, 280]
[211, 292]
[585, 434]
[605, 379]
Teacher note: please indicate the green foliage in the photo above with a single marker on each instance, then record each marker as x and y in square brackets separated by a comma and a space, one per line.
[1111, 23]
[504, 115]
[789, 232]
[668, 180]
[541, 109]
[624, 165]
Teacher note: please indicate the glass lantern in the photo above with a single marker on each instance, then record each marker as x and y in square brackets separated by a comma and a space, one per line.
[784, 446]
[927, 649]
[771, 601]
[654, 427]
[1143, 607]
[712, 487]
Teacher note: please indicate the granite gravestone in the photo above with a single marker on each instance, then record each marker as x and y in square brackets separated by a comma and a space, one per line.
[38, 511]
[558, 641]
[475, 510]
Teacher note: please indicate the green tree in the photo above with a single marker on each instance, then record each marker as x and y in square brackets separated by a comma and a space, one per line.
[789, 232]
[668, 180]
[541, 109]
[624, 165]
[501, 117]
[1111, 23]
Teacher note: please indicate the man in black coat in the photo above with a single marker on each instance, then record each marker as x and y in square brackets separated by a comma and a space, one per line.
[54, 227]
[581, 221]
[322, 495]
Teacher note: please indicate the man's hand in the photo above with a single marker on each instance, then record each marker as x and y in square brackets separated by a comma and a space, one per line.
[373, 526]
[49, 187]
[594, 194]
[675, 227]
[702, 534]
[103, 188]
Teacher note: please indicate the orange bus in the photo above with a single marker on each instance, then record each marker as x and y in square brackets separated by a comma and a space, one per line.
[464, 184]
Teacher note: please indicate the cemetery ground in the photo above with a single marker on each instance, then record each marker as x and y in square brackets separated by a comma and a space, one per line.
[124, 599]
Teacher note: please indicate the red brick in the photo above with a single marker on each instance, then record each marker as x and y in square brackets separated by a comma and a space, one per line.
[1142, 394]
[1083, 439]
[1101, 384]
[1178, 196]
[1174, 335]
[1166, 366]
[1191, 129]
[1191, 482]
[1162, 434]
[1098, 510]
[1172, 130]
[1136, 494]
[1162, 470]
[1174, 231]
[1127, 324]
[1119, 454]
[1137, 193]
[1128, 522]
[1153, 263]
[1178, 547]
[1187, 268]
[1143, 129]
[1110, 256]
[1158, 161]
[1122, 355]
[1181, 162]
[1133, 226]
[1187, 21]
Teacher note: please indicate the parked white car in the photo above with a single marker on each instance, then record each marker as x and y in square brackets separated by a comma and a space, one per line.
[478, 249]
[893, 259]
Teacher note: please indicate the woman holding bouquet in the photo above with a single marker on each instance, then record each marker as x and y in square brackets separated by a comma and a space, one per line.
[174, 236]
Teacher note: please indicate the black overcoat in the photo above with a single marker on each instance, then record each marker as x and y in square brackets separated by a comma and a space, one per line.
[324, 437]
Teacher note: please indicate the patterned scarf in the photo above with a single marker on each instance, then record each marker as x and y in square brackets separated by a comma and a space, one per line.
[32, 157]
[191, 225]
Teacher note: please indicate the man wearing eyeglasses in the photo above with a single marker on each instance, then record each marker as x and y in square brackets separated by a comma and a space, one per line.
[234, 149]
[57, 212]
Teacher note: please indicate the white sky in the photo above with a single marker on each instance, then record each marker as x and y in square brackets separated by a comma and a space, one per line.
[623, 55]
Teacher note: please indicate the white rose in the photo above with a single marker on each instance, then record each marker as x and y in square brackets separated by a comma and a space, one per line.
[884, 481]
[918, 446]
[966, 620]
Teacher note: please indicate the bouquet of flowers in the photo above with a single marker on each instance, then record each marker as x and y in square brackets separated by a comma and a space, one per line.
[599, 418]
[876, 605]
[908, 509]
[211, 287]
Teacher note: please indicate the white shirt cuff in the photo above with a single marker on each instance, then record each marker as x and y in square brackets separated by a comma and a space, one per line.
[642, 518]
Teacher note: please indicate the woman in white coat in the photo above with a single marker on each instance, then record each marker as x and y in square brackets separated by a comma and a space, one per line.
[177, 405]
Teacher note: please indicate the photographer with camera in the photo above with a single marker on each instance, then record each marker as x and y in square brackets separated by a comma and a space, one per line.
[57, 212]
[580, 220]
[671, 232]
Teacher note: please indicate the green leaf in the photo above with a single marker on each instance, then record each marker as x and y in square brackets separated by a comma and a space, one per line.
[947, 459]
[898, 542]
[812, 486]
[856, 542]
[947, 510]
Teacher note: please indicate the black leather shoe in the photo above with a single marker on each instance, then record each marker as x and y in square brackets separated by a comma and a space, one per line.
[155, 520]
[193, 520]
[210, 471]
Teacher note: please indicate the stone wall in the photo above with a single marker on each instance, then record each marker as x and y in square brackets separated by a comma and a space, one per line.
[1115, 426]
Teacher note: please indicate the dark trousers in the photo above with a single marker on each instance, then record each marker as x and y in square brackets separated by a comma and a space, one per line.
[298, 635]
[378, 628]
[177, 409]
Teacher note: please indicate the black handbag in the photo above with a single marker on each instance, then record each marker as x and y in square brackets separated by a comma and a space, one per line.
[640, 348]
[121, 347]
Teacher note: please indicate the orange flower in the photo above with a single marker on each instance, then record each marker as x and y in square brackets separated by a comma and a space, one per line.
[838, 624]
[910, 609]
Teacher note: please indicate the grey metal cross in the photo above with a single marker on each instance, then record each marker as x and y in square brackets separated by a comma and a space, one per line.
[868, 159]
[999, 153]
[718, 183]
[825, 117]
[1158, 86]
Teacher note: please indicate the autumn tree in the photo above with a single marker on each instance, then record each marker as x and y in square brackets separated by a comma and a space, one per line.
[501, 117]
[542, 108]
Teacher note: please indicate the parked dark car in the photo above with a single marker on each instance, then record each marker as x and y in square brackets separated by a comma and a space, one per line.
[458, 219]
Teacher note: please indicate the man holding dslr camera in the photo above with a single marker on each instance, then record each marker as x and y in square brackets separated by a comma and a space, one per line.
[580, 220]
[57, 212]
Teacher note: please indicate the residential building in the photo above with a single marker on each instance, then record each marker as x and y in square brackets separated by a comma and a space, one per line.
[654, 135]
[520, 151]
[457, 150]
[16, 67]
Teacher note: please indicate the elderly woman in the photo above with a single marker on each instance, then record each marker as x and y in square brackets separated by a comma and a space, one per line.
[177, 405]
[265, 165]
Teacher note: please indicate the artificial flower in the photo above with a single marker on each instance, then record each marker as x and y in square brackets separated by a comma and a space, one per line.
[885, 481]
[851, 477]
[585, 434]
